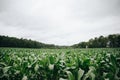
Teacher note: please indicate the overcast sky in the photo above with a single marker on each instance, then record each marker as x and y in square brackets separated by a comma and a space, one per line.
[60, 22]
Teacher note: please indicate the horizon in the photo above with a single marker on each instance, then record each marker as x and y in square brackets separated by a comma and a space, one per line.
[61, 22]
[59, 45]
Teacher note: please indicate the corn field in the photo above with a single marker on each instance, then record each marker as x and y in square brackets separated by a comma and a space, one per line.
[59, 64]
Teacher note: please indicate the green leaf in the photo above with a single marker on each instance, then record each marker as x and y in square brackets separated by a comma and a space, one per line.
[114, 61]
[63, 79]
[5, 69]
[70, 75]
[24, 78]
[51, 66]
[80, 73]
[90, 73]
[36, 67]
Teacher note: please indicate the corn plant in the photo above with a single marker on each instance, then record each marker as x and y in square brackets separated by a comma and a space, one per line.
[59, 64]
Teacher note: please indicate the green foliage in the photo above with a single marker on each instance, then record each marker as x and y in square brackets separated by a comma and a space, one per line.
[59, 64]
[6, 41]
[112, 41]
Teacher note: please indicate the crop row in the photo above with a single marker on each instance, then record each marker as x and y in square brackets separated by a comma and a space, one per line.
[59, 64]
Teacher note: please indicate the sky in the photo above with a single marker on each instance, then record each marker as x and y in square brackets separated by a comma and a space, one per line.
[60, 22]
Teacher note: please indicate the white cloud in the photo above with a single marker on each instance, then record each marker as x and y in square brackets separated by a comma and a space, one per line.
[61, 22]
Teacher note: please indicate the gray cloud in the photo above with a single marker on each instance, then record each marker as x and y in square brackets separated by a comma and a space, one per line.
[62, 22]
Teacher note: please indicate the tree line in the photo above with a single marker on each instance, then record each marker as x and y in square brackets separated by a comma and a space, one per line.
[111, 41]
[6, 41]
